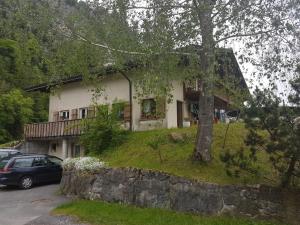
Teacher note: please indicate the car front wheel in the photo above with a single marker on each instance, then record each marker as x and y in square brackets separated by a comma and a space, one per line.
[26, 182]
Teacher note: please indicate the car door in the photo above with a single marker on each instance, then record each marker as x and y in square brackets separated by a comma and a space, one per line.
[55, 168]
[21, 167]
[40, 169]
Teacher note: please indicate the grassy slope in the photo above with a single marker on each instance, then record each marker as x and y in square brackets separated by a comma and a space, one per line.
[177, 156]
[100, 213]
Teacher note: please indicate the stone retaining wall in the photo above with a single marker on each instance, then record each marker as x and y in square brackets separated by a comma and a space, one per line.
[155, 189]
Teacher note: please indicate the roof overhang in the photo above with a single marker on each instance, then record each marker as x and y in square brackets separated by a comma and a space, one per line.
[45, 87]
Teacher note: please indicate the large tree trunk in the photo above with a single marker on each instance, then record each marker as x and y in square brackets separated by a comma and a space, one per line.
[202, 150]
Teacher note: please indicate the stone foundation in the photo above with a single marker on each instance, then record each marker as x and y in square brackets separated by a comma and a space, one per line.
[160, 190]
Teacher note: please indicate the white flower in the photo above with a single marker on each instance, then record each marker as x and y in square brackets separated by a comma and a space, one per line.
[83, 164]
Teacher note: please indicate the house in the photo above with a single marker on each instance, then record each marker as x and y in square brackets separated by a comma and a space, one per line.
[73, 102]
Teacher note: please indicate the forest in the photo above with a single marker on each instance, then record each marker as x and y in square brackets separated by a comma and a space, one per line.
[32, 51]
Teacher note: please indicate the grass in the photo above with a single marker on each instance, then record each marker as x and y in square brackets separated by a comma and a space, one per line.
[100, 213]
[135, 152]
[9, 144]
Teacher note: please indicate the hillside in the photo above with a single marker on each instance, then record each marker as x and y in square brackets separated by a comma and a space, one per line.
[135, 152]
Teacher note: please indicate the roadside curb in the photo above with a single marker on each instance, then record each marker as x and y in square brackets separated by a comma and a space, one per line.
[54, 220]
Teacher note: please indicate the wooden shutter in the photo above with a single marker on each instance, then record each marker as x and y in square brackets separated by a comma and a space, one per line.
[55, 116]
[74, 115]
[161, 107]
[91, 112]
[127, 112]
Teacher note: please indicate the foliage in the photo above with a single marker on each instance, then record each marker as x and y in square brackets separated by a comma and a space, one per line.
[135, 152]
[166, 36]
[273, 129]
[155, 144]
[96, 213]
[83, 164]
[15, 111]
[104, 131]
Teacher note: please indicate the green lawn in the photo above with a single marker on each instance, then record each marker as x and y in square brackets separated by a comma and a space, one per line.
[177, 156]
[100, 213]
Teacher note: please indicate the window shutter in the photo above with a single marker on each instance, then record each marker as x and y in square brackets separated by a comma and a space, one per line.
[74, 115]
[91, 112]
[127, 112]
[161, 107]
[55, 116]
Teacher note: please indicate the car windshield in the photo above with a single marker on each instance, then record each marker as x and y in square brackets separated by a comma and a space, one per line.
[3, 154]
[55, 160]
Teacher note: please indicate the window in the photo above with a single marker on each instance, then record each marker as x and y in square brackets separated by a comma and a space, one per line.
[118, 108]
[83, 113]
[53, 147]
[148, 108]
[3, 154]
[21, 163]
[54, 161]
[77, 150]
[3, 163]
[39, 161]
[64, 115]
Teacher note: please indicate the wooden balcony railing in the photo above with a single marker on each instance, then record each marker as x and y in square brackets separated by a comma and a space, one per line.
[52, 129]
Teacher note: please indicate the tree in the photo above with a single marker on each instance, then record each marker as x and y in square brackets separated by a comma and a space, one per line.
[161, 29]
[15, 111]
[273, 128]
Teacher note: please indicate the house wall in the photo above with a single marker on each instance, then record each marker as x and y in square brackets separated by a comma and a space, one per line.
[177, 93]
[38, 147]
[78, 95]
[58, 152]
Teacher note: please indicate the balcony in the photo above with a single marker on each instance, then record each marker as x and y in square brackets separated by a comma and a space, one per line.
[67, 128]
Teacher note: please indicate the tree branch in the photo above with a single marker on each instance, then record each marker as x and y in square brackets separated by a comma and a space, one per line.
[83, 39]
[245, 35]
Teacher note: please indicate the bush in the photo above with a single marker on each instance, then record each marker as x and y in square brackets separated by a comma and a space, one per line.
[102, 132]
[88, 164]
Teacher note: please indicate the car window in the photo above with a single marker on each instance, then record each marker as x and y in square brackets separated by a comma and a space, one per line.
[23, 162]
[39, 161]
[3, 163]
[3, 154]
[55, 161]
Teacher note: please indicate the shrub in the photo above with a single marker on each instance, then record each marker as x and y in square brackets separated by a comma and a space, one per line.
[155, 143]
[102, 132]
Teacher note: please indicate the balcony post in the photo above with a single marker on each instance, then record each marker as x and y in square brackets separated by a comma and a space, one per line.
[64, 148]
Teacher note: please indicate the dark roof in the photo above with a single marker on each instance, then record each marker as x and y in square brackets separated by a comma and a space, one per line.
[45, 87]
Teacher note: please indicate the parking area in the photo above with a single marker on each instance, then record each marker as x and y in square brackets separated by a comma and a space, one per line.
[18, 207]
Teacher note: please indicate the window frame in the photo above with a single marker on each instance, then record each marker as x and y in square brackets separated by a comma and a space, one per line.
[13, 164]
[121, 110]
[83, 109]
[39, 158]
[61, 117]
[153, 110]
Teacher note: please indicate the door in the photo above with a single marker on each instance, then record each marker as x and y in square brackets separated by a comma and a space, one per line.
[40, 171]
[179, 114]
[55, 168]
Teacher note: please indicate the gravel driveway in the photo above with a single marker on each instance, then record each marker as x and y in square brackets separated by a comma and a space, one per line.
[18, 207]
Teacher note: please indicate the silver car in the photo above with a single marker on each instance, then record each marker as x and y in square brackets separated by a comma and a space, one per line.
[8, 153]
